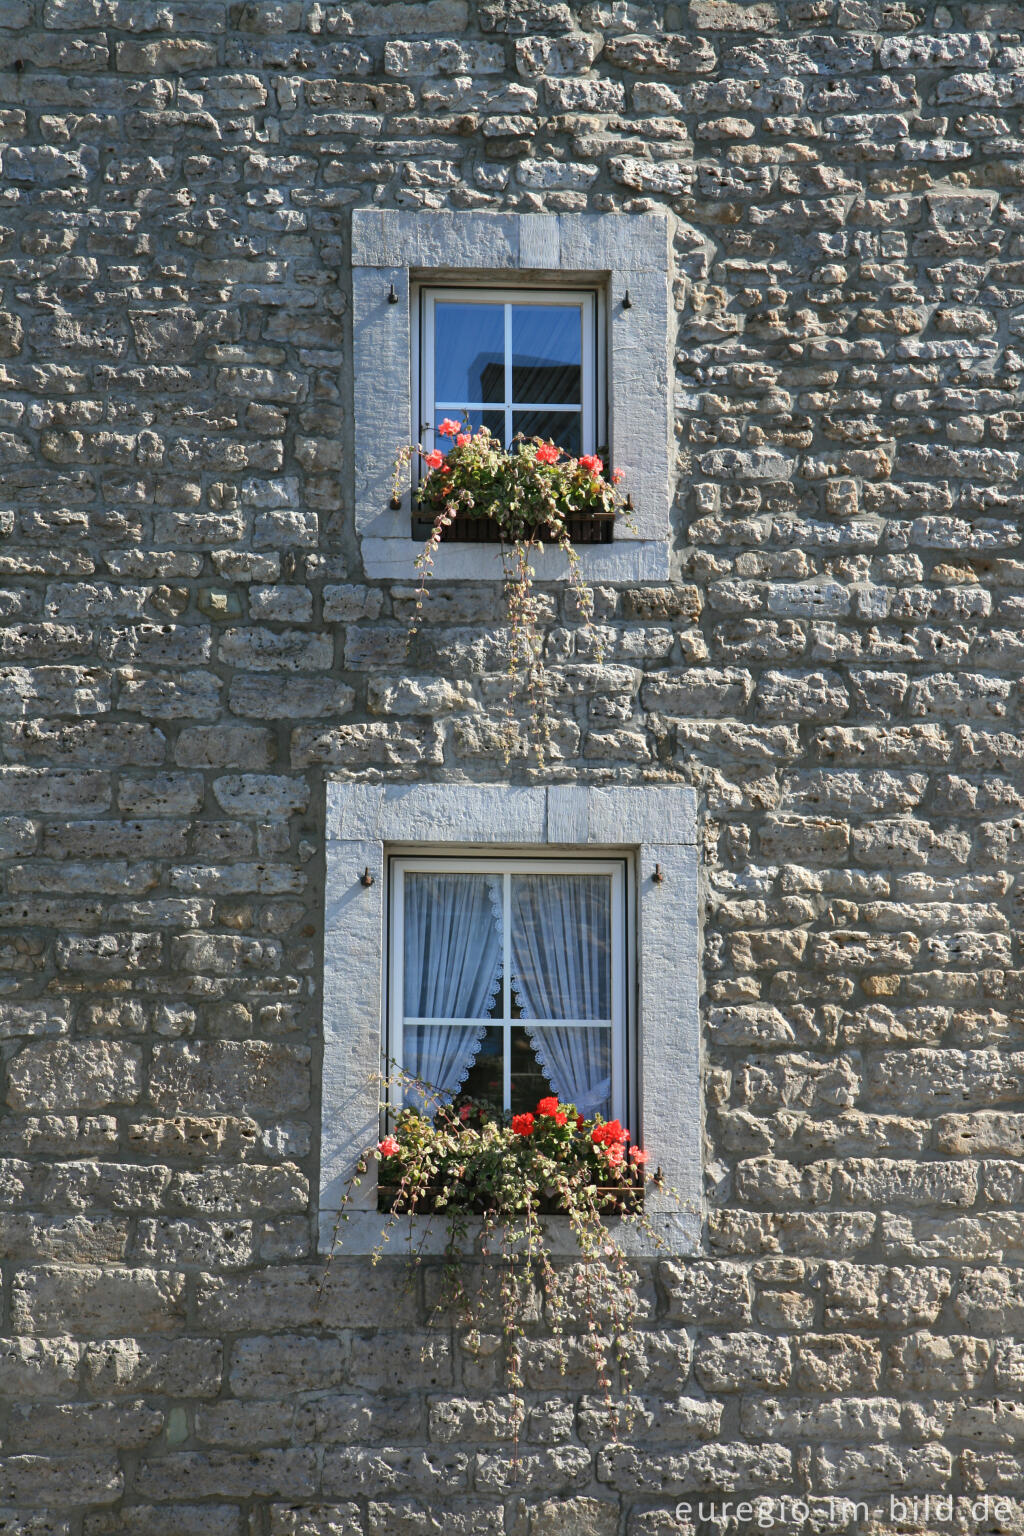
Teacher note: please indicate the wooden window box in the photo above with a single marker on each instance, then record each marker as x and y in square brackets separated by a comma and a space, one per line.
[615, 1199]
[591, 528]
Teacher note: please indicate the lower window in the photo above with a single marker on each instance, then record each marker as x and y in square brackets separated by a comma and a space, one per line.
[507, 942]
[509, 980]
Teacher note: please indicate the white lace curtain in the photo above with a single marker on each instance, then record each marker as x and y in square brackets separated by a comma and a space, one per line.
[561, 969]
[452, 970]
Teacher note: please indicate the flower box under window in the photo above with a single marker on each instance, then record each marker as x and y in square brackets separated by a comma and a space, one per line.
[613, 1199]
[591, 528]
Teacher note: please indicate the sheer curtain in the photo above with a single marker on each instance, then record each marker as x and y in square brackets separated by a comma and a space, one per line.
[452, 970]
[561, 969]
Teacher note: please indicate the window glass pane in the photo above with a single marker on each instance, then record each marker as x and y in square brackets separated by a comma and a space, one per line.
[486, 1076]
[561, 946]
[469, 352]
[529, 1081]
[563, 427]
[547, 353]
[494, 421]
[577, 1062]
[452, 946]
[440, 1057]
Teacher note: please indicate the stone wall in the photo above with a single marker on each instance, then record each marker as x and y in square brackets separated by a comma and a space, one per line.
[189, 647]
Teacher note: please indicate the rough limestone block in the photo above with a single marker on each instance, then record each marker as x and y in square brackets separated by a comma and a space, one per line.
[91, 1300]
[82, 1075]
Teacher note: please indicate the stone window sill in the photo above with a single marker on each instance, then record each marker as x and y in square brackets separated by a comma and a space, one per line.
[626, 560]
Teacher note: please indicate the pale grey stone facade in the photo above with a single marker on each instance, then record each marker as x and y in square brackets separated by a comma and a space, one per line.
[192, 648]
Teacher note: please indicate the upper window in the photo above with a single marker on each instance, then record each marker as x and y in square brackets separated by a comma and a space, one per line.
[552, 325]
[517, 361]
[508, 981]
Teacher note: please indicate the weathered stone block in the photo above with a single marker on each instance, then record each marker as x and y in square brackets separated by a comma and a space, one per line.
[61, 1482]
[268, 698]
[288, 1298]
[282, 1473]
[225, 746]
[708, 1294]
[269, 650]
[730, 1467]
[438, 1473]
[285, 1363]
[734, 1362]
[929, 1363]
[424, 1363]
[91, 1300]
[366, 1418]
[38, 1368]
[85, 1427]
[316, 1520]
[180, 1367]
[79, 1074]
[167, 1520]
[869, 1295]
[240, 1075]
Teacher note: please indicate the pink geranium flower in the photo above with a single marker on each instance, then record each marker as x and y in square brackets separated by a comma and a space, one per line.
[638, 1157]
[449, 428]
[434, 459]
[387, 1146]
[462, 439]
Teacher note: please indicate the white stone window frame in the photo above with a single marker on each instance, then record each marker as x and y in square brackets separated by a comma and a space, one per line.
[394, 250]
[655, 825]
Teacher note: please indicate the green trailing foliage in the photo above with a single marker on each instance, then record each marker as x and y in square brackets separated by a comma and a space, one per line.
[530, 492]
[495, 1182]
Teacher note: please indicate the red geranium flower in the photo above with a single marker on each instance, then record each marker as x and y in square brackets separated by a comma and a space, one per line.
[547, 453]
[449, 428]
[523, 1124]
[387, 1146]
[435, 458]
[591, 462]
[548, 1107]
[610, 1134]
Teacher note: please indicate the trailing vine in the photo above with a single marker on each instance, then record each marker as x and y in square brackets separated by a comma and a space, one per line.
[530, 492]
[494, 1181]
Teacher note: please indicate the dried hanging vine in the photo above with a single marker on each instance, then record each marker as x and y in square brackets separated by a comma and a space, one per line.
[530, 492]
[493, 1181]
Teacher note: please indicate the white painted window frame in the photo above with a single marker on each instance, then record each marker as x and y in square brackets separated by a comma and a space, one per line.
[425, 404]
[507, 866]
[655, 827]
[627, 256]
